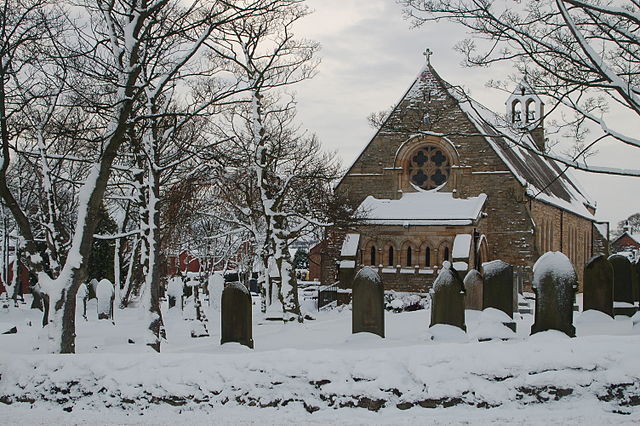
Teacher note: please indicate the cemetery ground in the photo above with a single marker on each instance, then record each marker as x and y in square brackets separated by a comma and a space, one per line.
[317, 372]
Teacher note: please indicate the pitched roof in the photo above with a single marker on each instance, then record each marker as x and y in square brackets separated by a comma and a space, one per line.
[544, 179]
[423, 208]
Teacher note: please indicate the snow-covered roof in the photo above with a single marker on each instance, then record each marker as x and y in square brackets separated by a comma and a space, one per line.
[461, 246]
[634, 237]
[602, 228]
[350, 245]
[543, 178]
[423, 208]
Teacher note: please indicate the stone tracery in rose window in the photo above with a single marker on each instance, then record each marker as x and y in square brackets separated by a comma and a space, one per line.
[429, 167]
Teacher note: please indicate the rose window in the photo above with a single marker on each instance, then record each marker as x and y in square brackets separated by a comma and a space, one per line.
[429, 167]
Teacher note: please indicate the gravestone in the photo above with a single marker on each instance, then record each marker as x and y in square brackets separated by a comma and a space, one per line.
[623, 300]
[473, 286]
[447, 298]
[368, 303]
[216, 286]
[83, 295]
[636, 280]
[174, 290]
[554, 284]
[598, 285]
[498, 286]
[235, 314]
[105, 295]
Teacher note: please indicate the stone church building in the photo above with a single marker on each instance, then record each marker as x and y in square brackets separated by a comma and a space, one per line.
[446, 179]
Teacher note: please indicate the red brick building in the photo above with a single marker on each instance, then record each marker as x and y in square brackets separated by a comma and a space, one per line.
[444, 178]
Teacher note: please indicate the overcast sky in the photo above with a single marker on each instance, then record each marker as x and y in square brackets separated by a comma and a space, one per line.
[370, 56]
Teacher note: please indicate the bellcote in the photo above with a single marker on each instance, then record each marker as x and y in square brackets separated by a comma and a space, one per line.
[525, 111]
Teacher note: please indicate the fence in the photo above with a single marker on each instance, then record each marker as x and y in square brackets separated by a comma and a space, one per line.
[327, 294]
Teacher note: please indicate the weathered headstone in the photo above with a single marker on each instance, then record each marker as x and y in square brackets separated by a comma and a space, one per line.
[473, 287]
[82, 295]
[216, 285]
[105, 295]
[368, 303]
[498, 286]
[636, 281]
[623, 300]
[554, 283]
[236, 325]
[447, 298]
[174, 290]
[598, 285]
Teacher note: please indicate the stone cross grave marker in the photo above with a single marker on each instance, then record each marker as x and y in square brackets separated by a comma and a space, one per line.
[554, 284]
[236, 325]
[598, 285]
[368, 303]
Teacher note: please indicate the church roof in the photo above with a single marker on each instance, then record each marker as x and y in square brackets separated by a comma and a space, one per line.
[544, 178]
[423, 208]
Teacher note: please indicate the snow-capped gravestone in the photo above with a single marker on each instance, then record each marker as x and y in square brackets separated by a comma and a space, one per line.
[175, 290]
[554, 284]
[235, 315]
[216, 285]
[368, 303]
[105, 295]
[473, 286]
[598, 285]
[92, 288]
[498, 286]
[82, 295]
[623, 303]
[447, 298]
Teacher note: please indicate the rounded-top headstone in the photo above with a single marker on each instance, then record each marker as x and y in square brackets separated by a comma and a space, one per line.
[473, 287]
[598, 285]
[236, 325]
[498, 286]
[105, 294]
[554, 283]
[368, 303]
[622, 279]
[447, 299]
[175, 289]
[216, 285]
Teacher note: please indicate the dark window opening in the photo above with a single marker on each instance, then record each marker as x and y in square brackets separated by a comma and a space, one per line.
[390, 256]
[409, 260]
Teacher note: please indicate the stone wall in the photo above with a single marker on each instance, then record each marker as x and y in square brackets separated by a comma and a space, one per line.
[559, 230]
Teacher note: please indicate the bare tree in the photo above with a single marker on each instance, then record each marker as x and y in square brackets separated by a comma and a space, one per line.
[583, 55]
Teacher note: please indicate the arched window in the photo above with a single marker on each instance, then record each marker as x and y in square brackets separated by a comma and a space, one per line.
[427, 257]
[446, 254]
[531, 110]
[390, 256]
[409, 260]
[373, 255]
[516, 112]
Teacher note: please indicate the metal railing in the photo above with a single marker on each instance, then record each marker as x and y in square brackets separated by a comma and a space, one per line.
[327, 294]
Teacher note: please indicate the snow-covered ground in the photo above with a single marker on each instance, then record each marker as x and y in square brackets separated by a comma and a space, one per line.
[318, 373]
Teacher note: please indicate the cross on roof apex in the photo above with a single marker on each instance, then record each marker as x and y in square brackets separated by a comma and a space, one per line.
[427, 54]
